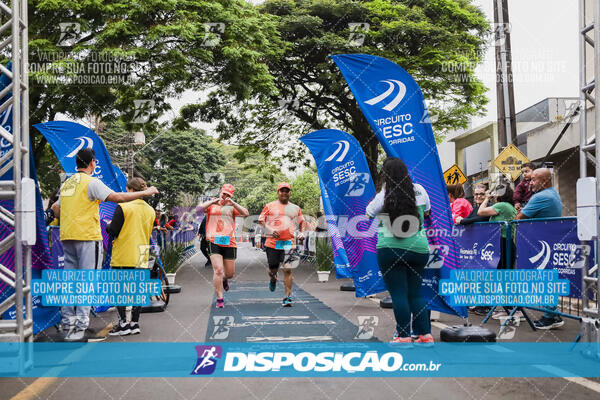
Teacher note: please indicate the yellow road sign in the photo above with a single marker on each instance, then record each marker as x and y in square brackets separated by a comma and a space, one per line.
[510, 160]
[454, 176]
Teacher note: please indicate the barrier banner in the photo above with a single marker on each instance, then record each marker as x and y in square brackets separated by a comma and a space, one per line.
[40, 253]
[394, 106]
[551, 244]
[479, 245]
[346, 189]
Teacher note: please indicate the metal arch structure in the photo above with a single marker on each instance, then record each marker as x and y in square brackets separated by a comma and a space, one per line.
[589, 29]
[14, 43]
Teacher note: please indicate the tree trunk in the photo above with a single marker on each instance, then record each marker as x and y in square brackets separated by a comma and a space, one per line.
[369, 144]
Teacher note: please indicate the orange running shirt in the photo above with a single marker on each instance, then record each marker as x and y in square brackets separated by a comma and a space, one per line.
[220, 224]
[282, 218]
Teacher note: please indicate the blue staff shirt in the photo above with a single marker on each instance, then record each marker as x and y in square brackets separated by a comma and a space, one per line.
[544, 204]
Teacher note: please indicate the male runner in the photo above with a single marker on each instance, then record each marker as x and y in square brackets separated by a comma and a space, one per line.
[220, 232]
[279, 219]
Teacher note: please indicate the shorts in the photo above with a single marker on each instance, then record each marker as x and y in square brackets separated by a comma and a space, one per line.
[276, 257]
[228, 253]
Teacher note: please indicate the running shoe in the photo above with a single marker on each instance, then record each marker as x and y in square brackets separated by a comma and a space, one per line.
[120, 329]
[135, 328]
[287, 301]
[220, 303]
[424, 340]
[549, 323]
[225, 285]
[273, 283]
[499, 314]
[404, 341]
[92, 335]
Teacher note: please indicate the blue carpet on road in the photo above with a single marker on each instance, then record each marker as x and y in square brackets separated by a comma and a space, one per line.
[254, 314]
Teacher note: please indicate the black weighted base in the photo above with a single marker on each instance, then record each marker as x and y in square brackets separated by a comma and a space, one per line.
[155, 306]
[347, 287]
[386, 302]
[467, 334]
[173, 289]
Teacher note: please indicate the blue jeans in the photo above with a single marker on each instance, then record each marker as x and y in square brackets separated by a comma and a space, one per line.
[403, 272]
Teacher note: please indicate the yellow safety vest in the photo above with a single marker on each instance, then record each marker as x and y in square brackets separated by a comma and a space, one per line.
[79, 217]
[132, 247]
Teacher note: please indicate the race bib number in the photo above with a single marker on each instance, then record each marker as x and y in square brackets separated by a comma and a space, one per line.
[283, 244]
[222, 240]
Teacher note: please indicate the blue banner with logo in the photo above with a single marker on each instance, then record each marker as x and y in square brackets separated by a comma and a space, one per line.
[40, 253]
[551, 244]
[394, 106]
[346, 189]
[66, 139]
[479, 245]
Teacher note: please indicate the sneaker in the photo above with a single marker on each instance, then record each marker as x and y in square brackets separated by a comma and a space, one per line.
[424, 340]
[220, 303]
[404, 341]
[135, 328]
[91, 335]
[75, 335]
[483, 311]
[273, 283]
[287, 301]
[120, 329]
[549, 323]
[499, 314]
[225, 285]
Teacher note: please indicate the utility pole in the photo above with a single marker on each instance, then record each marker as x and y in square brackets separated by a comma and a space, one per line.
[507, 126]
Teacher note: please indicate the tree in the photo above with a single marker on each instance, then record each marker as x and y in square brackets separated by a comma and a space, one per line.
[306, 192]
[176, 162]
[155, 49]
[422, 36]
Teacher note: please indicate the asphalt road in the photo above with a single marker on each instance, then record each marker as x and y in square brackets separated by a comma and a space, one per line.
[321, 313]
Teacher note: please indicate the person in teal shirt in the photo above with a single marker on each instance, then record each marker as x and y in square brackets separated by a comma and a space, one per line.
[403, 250]
[545, 203]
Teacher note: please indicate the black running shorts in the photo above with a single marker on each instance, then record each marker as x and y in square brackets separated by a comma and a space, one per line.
[228, 253]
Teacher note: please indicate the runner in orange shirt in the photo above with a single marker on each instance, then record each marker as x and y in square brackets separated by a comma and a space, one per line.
[220, 233]
[279, 219]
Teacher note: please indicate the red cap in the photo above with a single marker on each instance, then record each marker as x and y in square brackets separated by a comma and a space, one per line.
[283, 185]
[227, 188]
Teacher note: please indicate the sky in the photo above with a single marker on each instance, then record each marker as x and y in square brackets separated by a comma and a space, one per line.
[545, 52]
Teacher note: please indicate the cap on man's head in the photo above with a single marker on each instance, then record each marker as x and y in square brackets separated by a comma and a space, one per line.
[283, 185]
[84, 157]
[227, 188]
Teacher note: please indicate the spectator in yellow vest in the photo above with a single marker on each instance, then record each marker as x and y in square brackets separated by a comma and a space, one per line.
[131, 228]
[78, 211]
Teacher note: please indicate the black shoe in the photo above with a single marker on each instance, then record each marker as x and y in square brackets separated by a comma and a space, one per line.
[483, 311]
[120, 329]
[135, 328]
[225, 285]
[546, 323]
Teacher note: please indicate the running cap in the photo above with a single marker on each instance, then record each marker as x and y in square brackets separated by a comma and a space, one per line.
[283, 185]
[227, 188]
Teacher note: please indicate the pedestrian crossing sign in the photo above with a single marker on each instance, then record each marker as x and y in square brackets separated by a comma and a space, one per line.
[510, 160]
[454, 176]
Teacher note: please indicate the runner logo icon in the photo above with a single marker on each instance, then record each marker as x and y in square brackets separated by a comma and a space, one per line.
[366, 326]
[222, 325]
[390, 90]
[342, 144]
[207, 359]
[358, 184]
[543, 255]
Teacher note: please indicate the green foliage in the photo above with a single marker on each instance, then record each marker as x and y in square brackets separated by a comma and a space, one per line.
[306, 192]
[324, 254]
[161, 41]
[423, 37]
[176, 162]
[172, 256]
